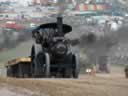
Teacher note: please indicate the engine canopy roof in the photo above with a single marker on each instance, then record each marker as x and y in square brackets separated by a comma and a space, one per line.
[66, 28]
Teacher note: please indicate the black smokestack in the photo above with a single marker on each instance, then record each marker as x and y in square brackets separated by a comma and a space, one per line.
[60, 25]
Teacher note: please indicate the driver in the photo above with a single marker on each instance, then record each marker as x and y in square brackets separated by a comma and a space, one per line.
[36, 35]
[43, 35]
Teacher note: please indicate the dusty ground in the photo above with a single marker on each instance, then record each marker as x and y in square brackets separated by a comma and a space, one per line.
[99, 85]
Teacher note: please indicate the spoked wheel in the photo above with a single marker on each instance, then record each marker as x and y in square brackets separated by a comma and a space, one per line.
[76, 67]
[42, 65]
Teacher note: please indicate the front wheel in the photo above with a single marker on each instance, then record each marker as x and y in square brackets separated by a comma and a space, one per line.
[76, 67]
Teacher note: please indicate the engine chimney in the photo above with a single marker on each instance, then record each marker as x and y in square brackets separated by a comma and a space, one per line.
[60, 25]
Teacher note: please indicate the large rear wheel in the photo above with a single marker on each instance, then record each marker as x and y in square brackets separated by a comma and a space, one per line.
[42, 65]
[34, 51]
[47, 66]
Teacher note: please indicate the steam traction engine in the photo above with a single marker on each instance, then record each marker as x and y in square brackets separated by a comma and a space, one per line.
[51, 56]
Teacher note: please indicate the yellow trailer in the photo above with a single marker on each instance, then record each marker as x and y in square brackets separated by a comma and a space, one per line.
[19, 67]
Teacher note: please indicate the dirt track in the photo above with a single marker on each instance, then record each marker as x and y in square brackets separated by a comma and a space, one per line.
[100, 85]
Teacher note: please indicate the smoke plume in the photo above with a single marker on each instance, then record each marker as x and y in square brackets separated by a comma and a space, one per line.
[11, 38]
